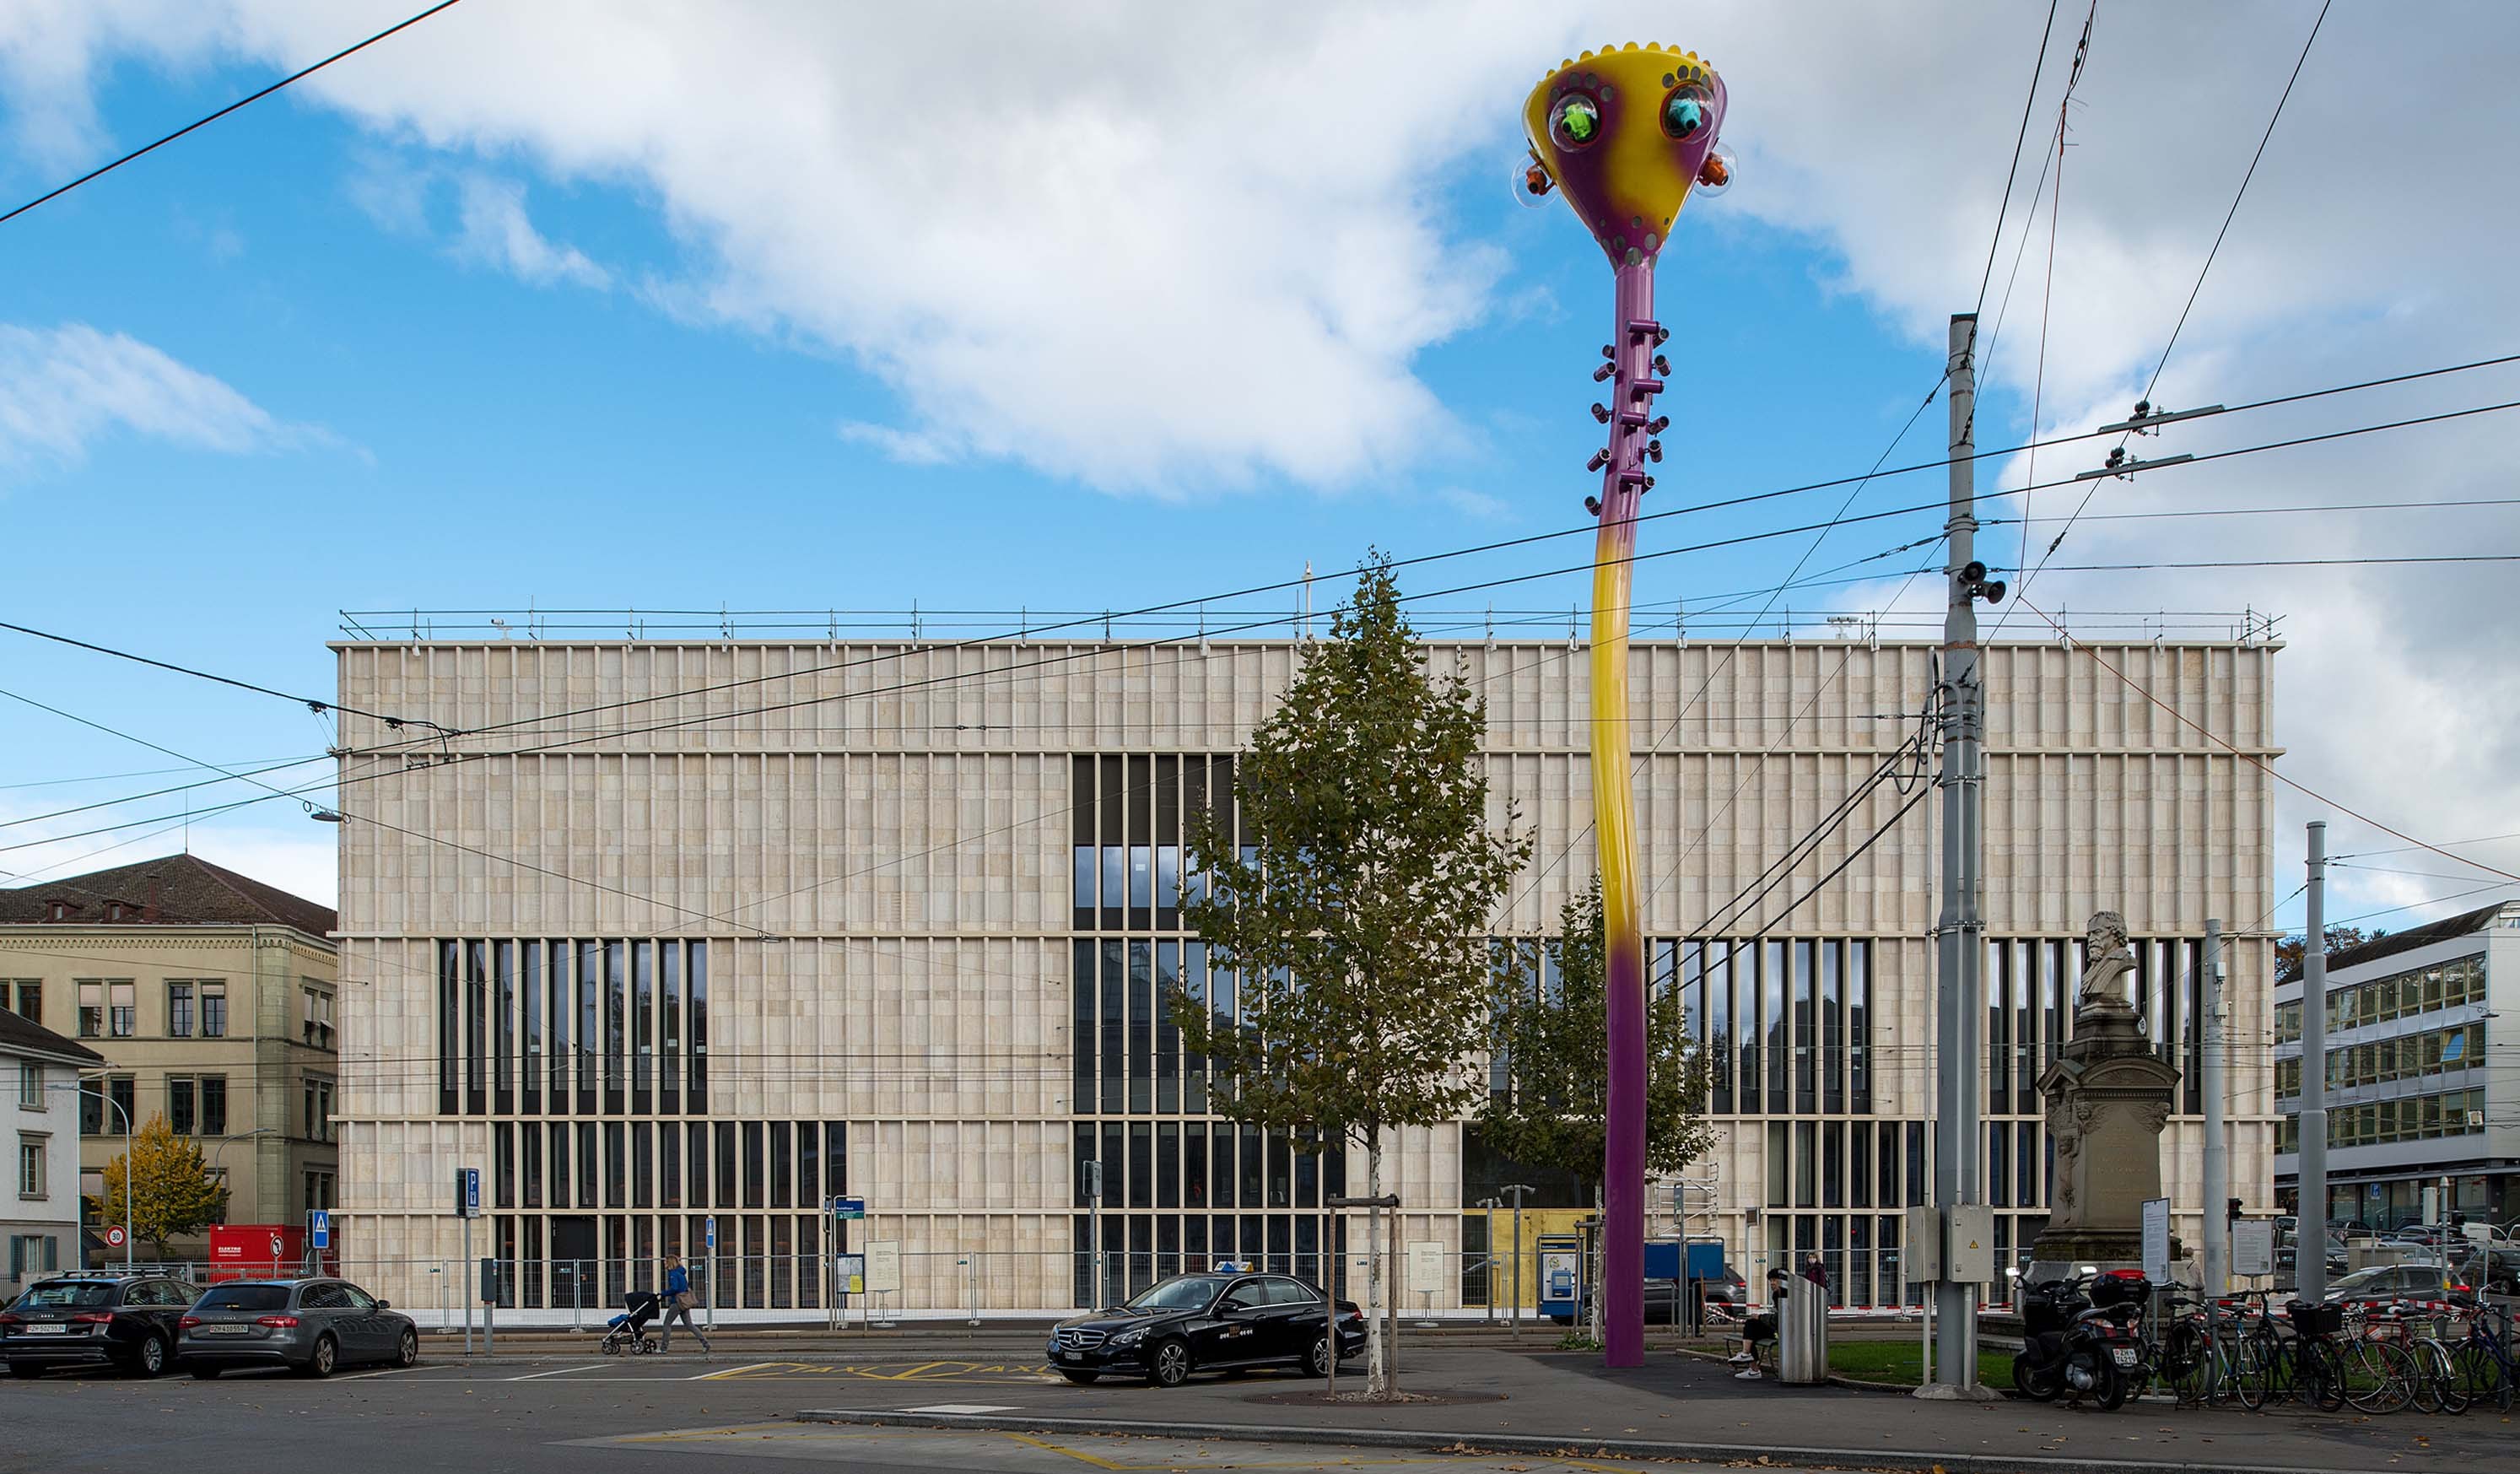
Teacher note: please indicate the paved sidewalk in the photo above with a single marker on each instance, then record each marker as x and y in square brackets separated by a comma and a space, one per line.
[1683, 1409]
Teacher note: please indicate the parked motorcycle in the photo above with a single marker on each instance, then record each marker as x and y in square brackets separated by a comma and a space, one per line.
[2081, 1339]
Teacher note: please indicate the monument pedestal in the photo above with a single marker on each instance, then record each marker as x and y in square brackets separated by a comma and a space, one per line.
[2108, 1097]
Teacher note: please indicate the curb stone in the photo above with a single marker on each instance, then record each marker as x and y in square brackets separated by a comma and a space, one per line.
[1902, 1460]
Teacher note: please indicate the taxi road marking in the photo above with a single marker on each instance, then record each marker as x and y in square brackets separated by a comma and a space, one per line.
[924, 1371]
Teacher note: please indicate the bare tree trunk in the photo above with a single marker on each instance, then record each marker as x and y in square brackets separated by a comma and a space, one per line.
[1377, 1371]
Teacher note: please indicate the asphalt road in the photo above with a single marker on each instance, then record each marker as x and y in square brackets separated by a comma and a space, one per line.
[730, 1413]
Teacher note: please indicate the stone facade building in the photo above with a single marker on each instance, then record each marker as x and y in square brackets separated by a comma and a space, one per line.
[40, 1071]
[211, 996]
[678, 934]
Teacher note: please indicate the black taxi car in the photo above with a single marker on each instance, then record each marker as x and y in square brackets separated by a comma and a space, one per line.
[1205, 1323]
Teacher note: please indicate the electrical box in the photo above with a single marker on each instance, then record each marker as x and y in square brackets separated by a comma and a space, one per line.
[1924, 1243]
[1969, 1258]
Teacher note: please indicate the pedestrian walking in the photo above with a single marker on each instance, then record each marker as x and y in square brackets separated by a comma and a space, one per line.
[679, 1300]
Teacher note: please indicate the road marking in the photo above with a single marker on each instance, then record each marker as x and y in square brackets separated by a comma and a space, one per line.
[1173, 1467]
[390, 1371]
[562, 1372]
[967, 1408]
[732, 1372]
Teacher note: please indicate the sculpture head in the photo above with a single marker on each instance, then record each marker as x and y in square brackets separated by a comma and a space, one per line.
[1623, 134]
[2107, 934]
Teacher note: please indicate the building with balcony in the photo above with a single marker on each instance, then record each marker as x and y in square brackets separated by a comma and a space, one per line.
[676, 940]
[209, 998]
[2422, 1087]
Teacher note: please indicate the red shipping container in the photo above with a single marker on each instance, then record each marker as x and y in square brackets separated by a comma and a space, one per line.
[265, 1251]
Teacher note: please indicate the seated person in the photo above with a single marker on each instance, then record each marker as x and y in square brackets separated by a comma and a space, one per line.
[1760, 1327]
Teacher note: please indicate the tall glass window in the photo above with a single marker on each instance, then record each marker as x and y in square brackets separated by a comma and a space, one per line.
[695, 1099]
[642, 1027]
[476, 1027]
[503, 1033]
[669, 1028]
[529, 1004]
[616, 1021]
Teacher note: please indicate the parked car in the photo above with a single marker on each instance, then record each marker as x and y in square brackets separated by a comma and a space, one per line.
[1205, 1323]
[2385, 1283]
[122, 1320]
[309, 1325]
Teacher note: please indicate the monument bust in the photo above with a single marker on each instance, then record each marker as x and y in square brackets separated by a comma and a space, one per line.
[2108, 1099]
[2109, 960]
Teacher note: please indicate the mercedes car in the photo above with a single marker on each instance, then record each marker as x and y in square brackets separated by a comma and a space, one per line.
[1205, 1323]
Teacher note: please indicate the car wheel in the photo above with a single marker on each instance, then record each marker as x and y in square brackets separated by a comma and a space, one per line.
[1316, 1358]
[25, 1369]
[407, 1350]
[204, 1373]
[1082, 1378]
[1169, 1365]
[149, 1357]
[319, 1362]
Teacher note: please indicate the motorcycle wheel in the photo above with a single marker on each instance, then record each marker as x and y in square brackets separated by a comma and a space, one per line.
[2111, 1389]
[2034, 1381]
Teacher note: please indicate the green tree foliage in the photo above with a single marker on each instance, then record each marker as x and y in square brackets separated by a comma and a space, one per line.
[174, 1192]
[1553, 1044]
[1358, 921]
[2290, 952]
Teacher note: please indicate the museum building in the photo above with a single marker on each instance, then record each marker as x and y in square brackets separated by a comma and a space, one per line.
[675, 942]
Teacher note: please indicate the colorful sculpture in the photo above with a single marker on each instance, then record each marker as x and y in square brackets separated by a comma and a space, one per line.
[1624, 134]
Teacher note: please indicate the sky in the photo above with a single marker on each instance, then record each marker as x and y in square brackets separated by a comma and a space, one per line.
[635, 306]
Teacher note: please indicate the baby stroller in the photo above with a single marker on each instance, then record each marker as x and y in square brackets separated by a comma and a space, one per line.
[628, 1331]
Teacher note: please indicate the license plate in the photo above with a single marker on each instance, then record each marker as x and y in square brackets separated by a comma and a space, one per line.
[2122, 1355]
[1065, 1356]
[222, 1331]
[41, 1329]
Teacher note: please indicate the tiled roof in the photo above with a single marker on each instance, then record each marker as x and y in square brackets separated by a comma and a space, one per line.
[176, 890]
[18, 1033]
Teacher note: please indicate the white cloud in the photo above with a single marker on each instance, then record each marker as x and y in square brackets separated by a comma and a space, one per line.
[63, 388]
[496, 232]
[1175, 248]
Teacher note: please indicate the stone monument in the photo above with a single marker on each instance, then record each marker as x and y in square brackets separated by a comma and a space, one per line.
[2108, 1097]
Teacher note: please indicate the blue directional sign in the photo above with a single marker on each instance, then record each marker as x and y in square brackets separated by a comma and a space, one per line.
[848, 1207]
[319, 1229]
[467, 1191]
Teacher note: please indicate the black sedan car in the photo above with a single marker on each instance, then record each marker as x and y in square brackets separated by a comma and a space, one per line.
[122, 1320]
[1205, 1323]
[307, 1325]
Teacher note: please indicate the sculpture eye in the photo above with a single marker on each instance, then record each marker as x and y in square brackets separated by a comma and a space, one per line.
[1576, 122]
[1687, 111]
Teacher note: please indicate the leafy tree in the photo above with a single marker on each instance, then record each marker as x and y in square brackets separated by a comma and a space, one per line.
[1546, 1108]
[2291, 952]
[1356, 909]
[176, 1193]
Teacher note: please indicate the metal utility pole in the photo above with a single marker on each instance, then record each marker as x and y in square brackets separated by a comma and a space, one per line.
[2218, 1147]
[1518, 1190]
[2309, 1243]
[1094, 1196]
[1960, 930]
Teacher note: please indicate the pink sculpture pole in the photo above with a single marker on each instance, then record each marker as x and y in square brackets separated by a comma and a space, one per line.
[1623, 135]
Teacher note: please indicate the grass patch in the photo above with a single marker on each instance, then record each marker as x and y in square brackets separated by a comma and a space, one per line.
[1901, 1362]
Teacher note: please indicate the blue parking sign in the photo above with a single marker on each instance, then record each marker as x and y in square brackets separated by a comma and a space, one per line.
[712, 1230]
[467, 1192]
[319, 1229]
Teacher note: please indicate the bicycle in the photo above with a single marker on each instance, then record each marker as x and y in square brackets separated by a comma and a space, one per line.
[2262, 1361]
[2380, 1373]
[2482, 1359]
[2435, 1385]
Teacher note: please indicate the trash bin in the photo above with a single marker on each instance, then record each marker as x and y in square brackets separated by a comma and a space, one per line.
[1802, 1335]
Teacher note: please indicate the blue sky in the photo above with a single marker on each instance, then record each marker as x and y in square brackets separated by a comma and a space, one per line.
[471, 351]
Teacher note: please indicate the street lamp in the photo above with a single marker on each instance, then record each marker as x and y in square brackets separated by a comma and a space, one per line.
[80, 1086]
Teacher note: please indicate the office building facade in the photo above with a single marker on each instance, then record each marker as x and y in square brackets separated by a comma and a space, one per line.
[2420, 1077]
[682, 938]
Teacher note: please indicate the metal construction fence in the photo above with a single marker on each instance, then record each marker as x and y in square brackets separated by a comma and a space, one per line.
[1423, 1284]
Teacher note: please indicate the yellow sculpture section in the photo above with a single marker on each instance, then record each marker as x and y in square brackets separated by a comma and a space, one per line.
[1632, 177]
